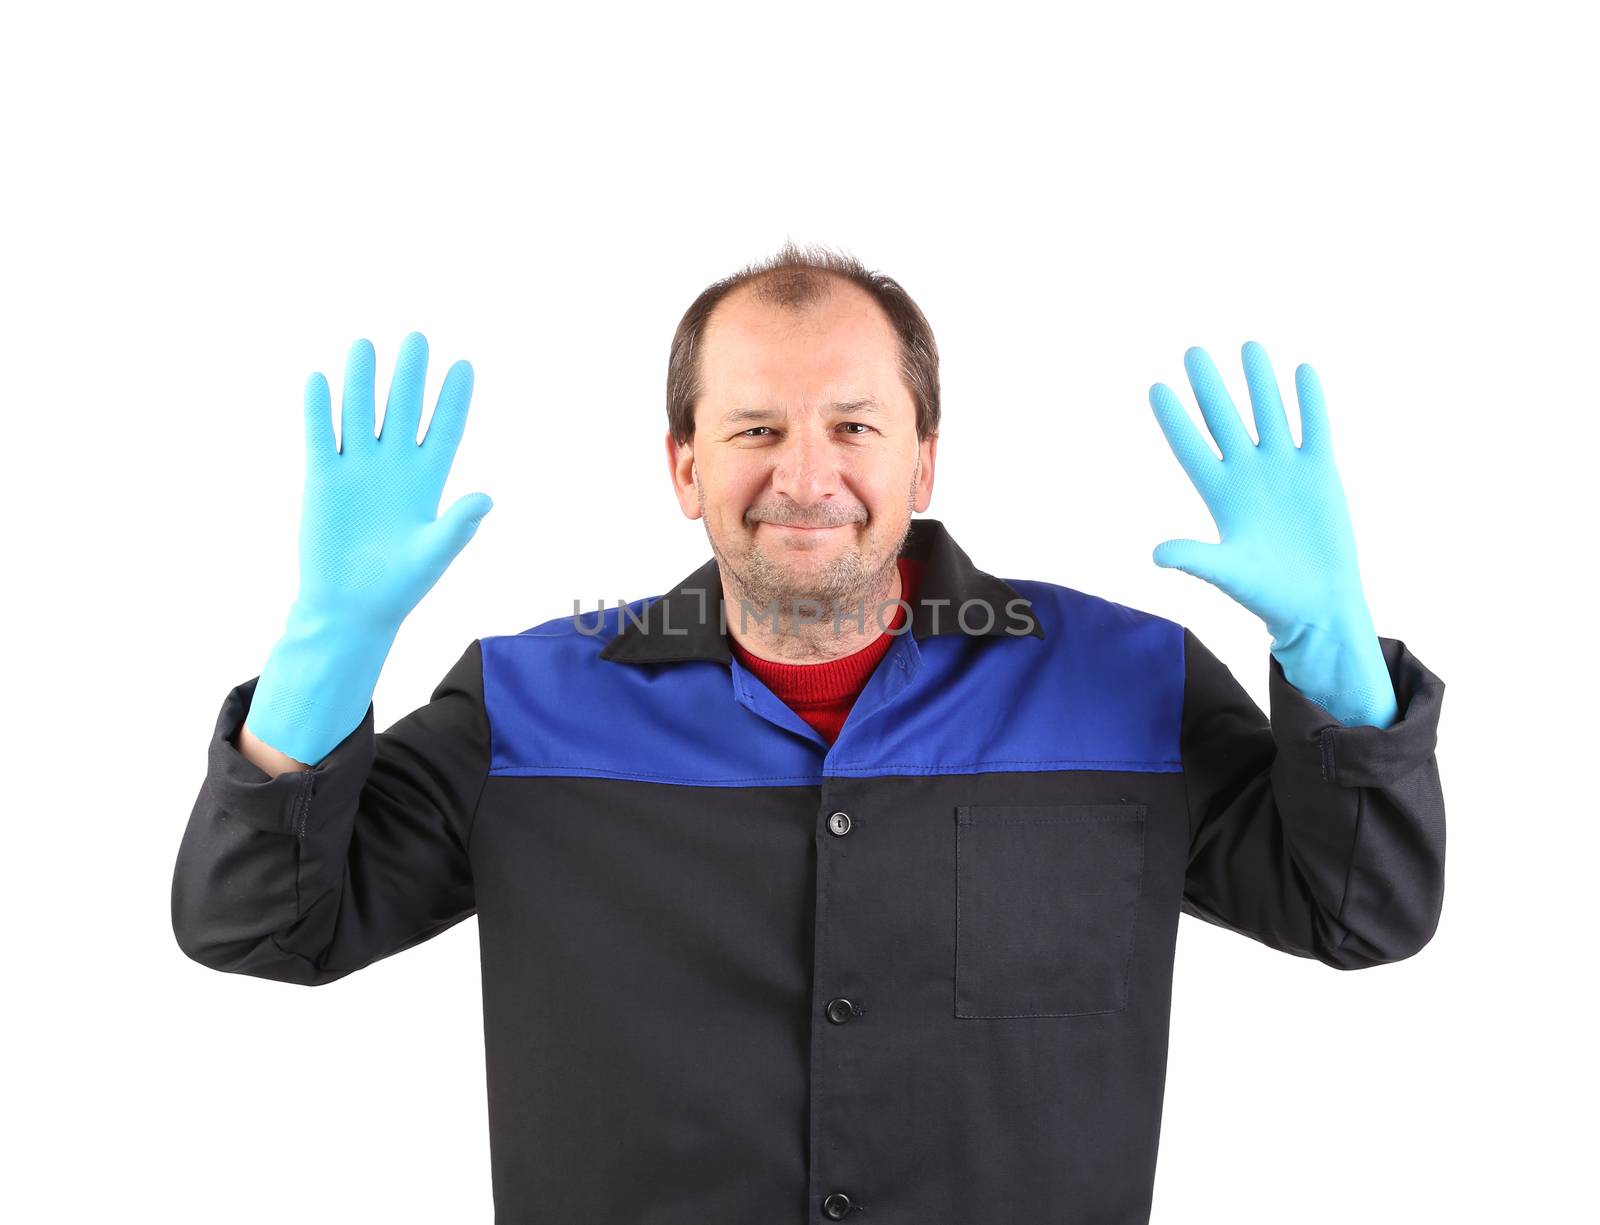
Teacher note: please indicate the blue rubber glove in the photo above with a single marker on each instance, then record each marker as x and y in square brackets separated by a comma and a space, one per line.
[372, 544]
[1288, 552]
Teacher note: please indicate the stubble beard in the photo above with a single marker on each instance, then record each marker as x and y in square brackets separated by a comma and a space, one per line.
[797, 602]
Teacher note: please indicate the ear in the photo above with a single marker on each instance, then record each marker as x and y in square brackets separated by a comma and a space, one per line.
[681, 465]
[927, 447]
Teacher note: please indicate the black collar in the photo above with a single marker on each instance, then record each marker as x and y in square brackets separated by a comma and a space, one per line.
[686, 623]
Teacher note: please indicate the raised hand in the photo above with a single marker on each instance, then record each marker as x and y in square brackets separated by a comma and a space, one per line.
[372, 544]
[1287, 549]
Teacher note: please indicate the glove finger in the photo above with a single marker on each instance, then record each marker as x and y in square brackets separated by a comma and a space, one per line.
[1188, 444]
[1216, 406]
[320, 444]
[356, 409]
[402, 413]
[1272, 424]
[449, 418]
[1192, 557]
[449, 535]
[1314, 435]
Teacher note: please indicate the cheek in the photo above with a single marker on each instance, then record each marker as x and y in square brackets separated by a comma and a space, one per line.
[731, 494]
[886, 491]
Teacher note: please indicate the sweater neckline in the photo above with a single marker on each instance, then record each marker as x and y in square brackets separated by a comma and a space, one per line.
[833, 680]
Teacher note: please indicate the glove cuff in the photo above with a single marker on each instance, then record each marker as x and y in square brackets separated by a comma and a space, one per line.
[317, 684]
[1341, 668]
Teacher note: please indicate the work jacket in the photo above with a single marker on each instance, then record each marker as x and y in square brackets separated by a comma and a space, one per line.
[735, 975]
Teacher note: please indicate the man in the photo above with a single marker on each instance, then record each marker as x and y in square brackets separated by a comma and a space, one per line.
[844, 877]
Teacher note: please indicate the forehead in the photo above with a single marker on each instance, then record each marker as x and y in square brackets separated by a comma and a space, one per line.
[842, 344]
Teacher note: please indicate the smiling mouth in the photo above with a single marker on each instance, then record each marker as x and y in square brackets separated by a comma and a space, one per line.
[805, 531]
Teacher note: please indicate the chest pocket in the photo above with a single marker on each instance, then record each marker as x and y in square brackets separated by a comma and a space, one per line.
[1047, 902]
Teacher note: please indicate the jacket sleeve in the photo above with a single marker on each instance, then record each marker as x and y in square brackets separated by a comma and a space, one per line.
[1314, 838]
[310, 875]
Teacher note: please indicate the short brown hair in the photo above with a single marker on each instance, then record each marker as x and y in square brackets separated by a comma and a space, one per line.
[794, 278]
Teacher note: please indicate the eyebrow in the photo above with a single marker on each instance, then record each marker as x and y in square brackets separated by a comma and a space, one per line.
[766, 414]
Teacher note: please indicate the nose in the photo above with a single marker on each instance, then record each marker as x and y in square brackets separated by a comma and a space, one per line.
[805, 468]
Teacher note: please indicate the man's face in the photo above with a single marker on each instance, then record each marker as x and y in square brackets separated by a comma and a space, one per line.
[805, 461]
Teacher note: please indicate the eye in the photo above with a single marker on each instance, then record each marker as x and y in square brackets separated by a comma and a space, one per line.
[750, 432]
[862, 424]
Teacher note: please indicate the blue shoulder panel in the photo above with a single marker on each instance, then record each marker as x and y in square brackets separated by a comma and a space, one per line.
[1103, 690]
[556, 707]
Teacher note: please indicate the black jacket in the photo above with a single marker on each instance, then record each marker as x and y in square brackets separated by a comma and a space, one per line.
[734, 975]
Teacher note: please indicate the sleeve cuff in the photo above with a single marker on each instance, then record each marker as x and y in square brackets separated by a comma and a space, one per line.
[278, 804]
[1363, 755]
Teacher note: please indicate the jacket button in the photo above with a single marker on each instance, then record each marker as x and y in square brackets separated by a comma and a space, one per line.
[839, 823]
[835, 1206]
[840, 1010]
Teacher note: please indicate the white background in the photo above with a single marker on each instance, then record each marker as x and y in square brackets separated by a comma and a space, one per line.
[206, 203]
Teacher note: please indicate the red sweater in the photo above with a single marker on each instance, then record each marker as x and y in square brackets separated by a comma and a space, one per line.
[822, 694]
